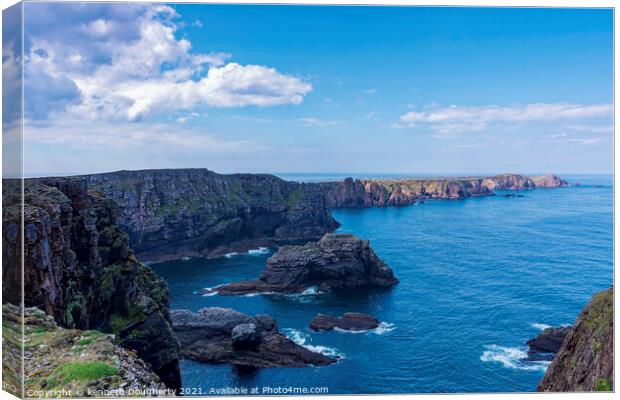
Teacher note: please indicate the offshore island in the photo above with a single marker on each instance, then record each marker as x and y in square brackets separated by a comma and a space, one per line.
[86, 239]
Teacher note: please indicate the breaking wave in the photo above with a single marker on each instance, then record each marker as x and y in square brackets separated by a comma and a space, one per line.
[512, 357]
[231, 255]
[384, 327]
[302, 339]
[260, 250]
[540, 326]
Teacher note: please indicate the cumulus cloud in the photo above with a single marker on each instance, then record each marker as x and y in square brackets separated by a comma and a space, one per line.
[457, 119]
[125, 62]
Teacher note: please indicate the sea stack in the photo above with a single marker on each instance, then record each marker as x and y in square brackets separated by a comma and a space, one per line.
[337, 261]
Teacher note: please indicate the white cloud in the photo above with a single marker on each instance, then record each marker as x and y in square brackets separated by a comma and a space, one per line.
[457, 119]
[370, 91]
[137, 67]
[311, 121]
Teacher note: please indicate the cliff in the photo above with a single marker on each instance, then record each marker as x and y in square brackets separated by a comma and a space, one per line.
[400, 192]
[196, 212]
[79, 268]
[62, 362]
[585, 360]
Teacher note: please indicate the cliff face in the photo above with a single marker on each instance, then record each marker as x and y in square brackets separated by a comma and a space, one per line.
[400, 192]
[195, 212]
[585, 360]
[79, 268]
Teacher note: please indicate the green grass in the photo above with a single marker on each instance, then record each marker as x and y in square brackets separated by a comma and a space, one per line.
[603, 385]
[80, 371]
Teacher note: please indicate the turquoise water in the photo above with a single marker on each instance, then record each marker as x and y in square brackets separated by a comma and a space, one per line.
[479, 277]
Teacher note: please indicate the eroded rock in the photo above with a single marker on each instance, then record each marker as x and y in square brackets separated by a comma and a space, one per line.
[223, 335]
[337, 261]
[350, 321]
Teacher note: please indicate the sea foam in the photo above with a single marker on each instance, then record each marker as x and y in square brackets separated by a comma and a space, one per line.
[512, 357]
[302, 339]
[540, 326]
[260, 250]
[383, 328]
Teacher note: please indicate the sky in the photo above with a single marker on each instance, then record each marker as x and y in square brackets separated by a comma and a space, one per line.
[317, 89]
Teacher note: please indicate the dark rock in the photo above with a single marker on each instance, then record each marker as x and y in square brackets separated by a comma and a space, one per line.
[585, 361]
[78, 267]
[549, 340]
[349, 321]
[173, 213]
[244, 335]
[337, 261]
[223, 335]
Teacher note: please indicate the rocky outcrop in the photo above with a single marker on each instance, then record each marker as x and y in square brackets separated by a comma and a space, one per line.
[549, 340]
[196, 212]
[85, 363]
[79, 268]
[521, 182]
[585, 359]
[337, 261]
[549, 181]
[223, 335]
[546, 344]
[349, 322]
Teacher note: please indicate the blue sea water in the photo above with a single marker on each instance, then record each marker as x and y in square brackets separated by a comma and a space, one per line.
[479, 277]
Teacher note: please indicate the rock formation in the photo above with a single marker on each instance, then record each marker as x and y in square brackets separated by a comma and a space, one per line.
[349, 322]
[79, 268]
[358, 193]
[337, 261]
[549, 340]
[547, 343]
[87, 363]
[223, 335]
[196, 212]
[585, 359]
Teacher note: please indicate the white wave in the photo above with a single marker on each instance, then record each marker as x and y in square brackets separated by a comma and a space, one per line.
[210, 291]
[302, 338]
[260, 250]
[186, 258]
[312, 290]
[512, 357]
[540, 326]
[384, 327]
[231, 255]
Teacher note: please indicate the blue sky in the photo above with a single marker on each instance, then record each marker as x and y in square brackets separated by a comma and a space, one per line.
[317, 89]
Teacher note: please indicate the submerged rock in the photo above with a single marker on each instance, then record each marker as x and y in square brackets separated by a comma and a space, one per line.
[223, 335]
[350, 321]
[337, 261]
[585, 361]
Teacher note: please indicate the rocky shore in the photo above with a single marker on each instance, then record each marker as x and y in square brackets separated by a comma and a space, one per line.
[348, 321]
[337, 261]
[585, 361]
[223, 335]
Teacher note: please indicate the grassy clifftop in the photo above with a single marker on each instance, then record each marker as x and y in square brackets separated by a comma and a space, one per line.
[70, 362]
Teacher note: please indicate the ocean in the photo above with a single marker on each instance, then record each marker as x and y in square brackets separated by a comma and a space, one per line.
[478, 278]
